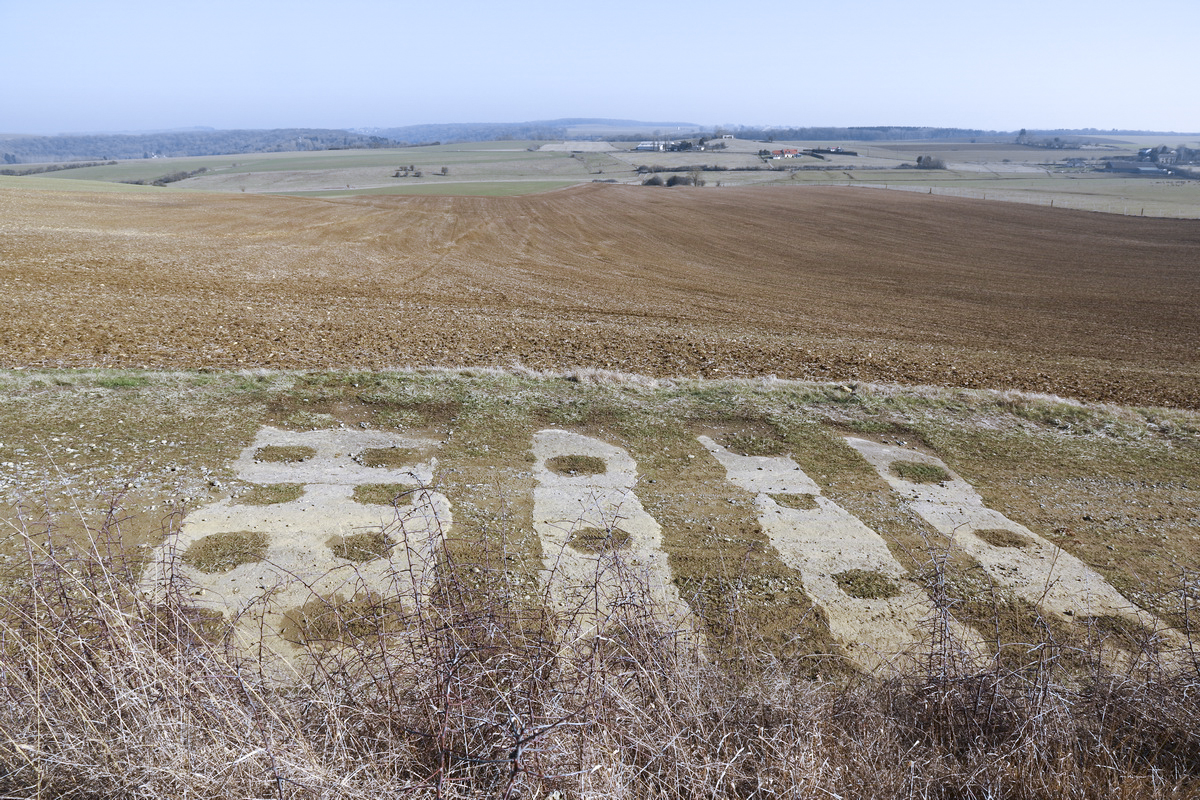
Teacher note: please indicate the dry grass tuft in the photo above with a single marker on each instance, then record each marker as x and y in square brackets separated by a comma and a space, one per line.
[577, 465]
[919, 472]
[598, 540]
[284, 454]
[221, 552]
[1000, 537]
[867, 584]
[387, 457]
[360, 546]
[800, 502]
[383, 494]
[269, 494]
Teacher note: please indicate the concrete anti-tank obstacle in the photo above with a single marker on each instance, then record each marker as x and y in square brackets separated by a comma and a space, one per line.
[1016, 558]
[825, 541]
[602, 552]
[300, 564]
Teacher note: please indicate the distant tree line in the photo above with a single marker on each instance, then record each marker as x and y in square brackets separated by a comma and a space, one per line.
[1098, 132]
[538, 130]
[858, 134]
[450, 133]
[54, 167]
[106, 147]
[862, 134]
[169, 178]
[879, 133]
[674, 180]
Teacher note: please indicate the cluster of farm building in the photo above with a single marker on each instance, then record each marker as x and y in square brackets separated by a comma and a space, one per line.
[1161, 160]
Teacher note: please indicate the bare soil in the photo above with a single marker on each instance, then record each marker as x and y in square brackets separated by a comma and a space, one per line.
[809, 283]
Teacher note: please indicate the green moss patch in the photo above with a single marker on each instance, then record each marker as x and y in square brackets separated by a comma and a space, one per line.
[919, 472]
[577, 465]
[284, 454]
[270, 494]
[999, 537]
[361, 546]
[221, 552]
[598, 540]
[867, 584]
[382, 494]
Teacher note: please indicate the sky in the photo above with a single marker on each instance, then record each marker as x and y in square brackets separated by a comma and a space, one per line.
[134, 65]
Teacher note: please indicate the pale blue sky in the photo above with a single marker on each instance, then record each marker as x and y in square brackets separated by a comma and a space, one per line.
[71, 65]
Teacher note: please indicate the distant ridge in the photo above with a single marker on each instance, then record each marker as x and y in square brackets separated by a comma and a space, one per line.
[565, 128]
[18, 149]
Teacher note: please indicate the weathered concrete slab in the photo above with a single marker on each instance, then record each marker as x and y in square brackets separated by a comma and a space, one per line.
[300, 564]
[824, 541]
[602, 552]
[1032, 568]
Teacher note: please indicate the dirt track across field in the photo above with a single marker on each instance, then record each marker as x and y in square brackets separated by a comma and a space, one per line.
[835, 283]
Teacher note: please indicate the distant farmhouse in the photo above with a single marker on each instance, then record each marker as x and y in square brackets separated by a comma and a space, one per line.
[1155, 161]
[1135, 167]
[672, 146]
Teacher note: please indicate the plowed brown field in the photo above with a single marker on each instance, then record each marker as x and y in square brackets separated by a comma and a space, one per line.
[818, 282]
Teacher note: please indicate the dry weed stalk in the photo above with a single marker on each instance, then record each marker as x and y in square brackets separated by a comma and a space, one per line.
[451, 684]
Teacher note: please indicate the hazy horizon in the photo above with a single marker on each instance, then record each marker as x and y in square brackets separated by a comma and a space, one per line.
[734, 127]
[131, 66]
